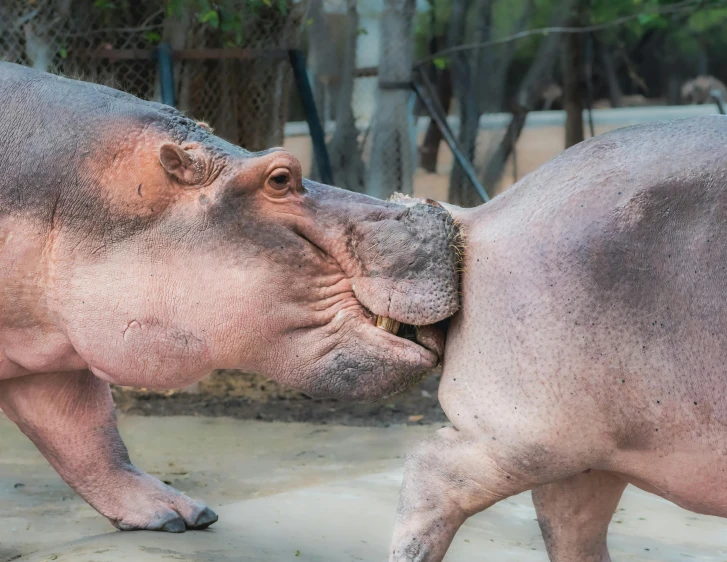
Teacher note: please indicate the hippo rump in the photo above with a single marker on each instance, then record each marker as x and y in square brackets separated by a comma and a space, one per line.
[590, 351]
[139, 249]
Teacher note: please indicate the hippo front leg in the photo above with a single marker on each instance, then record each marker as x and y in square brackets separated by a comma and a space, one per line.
[70, 418]
[455, 474]
[447, 478]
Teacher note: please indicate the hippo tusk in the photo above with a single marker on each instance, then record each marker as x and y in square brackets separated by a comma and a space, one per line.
[391, 326]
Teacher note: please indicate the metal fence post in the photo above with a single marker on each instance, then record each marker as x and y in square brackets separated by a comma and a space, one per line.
[166, 73]
[428, 95]
[718, 100]
[297, 61]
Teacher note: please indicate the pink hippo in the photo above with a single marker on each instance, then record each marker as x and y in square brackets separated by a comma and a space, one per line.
[590, 351]
[137, 248]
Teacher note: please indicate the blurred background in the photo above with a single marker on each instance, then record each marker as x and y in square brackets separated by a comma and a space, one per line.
[449, 99]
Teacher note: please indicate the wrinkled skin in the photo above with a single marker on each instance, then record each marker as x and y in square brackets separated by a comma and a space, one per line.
[137, 248]
[591, 346]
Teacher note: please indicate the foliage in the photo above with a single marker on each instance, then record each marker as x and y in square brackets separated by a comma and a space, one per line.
[225, 16]
[696, 29]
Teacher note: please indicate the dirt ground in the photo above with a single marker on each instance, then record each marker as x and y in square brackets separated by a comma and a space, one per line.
[295, 492]
[247, 396]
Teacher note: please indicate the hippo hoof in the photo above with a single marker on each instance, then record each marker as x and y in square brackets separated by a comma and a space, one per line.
[172, 525]
[168, 523]
[205, 518]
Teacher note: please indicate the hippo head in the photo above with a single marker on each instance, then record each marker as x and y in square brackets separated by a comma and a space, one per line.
[231, 259]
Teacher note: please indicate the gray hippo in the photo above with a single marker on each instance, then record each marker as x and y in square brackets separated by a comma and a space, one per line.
[590, 351]
[137, 248]
[699, 90]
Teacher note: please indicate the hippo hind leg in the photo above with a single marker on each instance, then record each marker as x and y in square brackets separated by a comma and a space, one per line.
[574, 514]
[70, 418]
[451, 476]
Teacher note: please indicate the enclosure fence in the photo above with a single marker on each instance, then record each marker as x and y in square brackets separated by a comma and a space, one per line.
[237, 80]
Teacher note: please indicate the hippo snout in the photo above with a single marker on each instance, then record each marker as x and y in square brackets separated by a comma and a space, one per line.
[410, 266]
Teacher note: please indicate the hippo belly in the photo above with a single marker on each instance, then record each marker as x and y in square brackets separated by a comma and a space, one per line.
[591, 347]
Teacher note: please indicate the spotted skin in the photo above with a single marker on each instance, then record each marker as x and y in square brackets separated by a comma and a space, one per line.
[591, 345]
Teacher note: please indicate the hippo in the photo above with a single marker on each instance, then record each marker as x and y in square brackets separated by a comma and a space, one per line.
[590, 349]
[699, 90]
[139, 249]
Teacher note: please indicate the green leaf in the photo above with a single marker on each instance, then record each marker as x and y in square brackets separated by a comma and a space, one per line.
[308, 22]
[212, 18]
[297, 552]
[441, 63]
[362, 31]
[63, 52]
[174, 7]
[152, 37]
[268, 3]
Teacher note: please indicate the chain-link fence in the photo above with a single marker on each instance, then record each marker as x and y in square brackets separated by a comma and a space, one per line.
[230, 70]
[62, 36]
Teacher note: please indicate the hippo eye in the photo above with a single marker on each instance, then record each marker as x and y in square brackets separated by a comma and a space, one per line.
[279, 181]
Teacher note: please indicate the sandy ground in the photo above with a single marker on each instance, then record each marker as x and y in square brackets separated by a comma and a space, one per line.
[295, 492]
[248, 396]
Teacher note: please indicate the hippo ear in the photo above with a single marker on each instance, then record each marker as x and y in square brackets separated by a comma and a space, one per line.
[183, 166]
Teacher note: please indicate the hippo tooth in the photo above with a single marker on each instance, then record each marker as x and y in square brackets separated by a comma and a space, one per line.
[388, 324]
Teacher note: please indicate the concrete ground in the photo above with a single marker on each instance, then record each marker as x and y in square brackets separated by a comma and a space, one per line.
[312, 493]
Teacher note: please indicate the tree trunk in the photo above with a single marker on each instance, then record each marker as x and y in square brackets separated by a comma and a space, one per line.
[482, 89]
[429, 151]
[573, 82]
[615, 95]
[391, 167]
[37, 48]
[537, 77]
[227, 125]
[463, 71]
[702, 60]
[323, 65]
[344, 149]
[494, 84]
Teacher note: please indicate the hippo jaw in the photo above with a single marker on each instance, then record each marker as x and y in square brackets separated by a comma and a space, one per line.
[430, 336]
[401, 266]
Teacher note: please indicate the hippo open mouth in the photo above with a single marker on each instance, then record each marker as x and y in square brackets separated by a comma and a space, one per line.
[431, 337]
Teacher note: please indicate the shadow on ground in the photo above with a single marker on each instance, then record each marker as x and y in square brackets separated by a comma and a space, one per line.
[248, 396]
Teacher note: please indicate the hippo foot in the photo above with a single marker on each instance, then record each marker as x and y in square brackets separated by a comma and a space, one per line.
[145, 503]
[170, 521]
